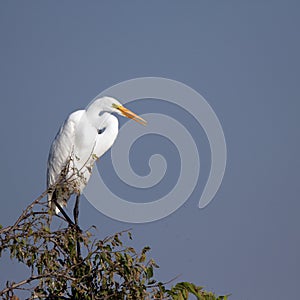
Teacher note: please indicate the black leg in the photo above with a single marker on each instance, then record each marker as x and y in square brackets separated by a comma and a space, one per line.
[71, 223]
[76, 213]
[76, 209]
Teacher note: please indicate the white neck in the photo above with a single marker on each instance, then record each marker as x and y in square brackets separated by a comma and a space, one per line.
[95, 115]
[106, 139]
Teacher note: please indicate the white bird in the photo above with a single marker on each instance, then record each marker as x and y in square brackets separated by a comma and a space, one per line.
[84, 137]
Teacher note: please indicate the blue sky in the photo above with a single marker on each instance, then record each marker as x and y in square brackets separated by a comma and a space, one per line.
[243, 57]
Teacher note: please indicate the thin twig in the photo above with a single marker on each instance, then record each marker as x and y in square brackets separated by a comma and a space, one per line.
[24, 213]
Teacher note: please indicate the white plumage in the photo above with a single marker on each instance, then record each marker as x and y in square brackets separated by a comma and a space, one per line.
[84, 137]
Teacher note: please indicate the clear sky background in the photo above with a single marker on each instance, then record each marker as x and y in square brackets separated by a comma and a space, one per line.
[242, 56]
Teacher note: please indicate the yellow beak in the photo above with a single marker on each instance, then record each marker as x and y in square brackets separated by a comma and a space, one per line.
[131, 115]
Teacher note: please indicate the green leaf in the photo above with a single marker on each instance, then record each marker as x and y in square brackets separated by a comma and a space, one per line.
[149, 272]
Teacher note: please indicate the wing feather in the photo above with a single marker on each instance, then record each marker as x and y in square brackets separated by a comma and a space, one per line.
[61, 149]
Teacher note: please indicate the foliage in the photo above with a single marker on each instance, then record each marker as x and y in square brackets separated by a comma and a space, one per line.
[66, 262]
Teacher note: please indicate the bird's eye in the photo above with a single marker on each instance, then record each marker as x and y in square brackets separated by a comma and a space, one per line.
[114, 105]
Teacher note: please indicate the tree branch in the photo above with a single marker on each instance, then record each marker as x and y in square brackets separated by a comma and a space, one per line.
[32, 278]
[24, 213]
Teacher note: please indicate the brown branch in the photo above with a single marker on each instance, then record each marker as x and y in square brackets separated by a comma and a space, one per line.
[164, 283]
[32, 278]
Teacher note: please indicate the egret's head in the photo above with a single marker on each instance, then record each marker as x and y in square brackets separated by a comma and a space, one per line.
[125, 112]
[115, 106]
[112, 105]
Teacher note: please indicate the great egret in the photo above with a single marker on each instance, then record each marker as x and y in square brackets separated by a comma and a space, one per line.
[84, 137]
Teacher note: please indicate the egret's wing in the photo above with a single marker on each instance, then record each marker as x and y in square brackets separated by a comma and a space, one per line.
[61, 148]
